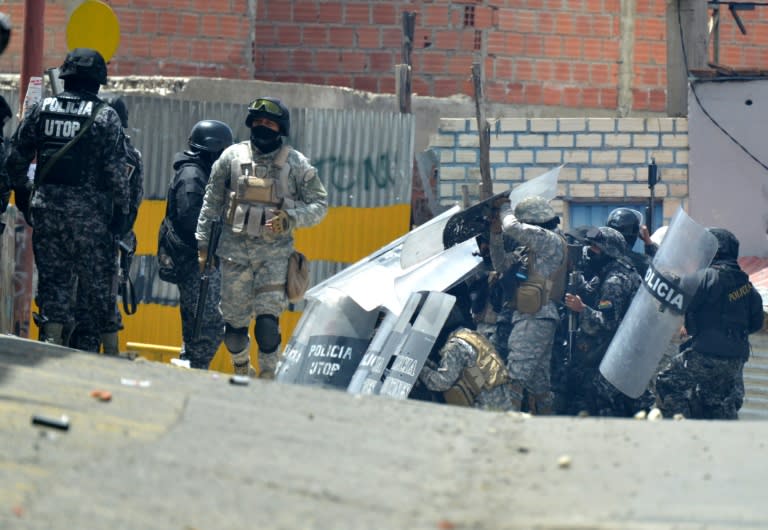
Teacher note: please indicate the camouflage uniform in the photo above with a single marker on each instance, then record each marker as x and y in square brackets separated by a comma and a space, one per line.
[457, 354]
[586, 389]
[254, 268]
[185, 198]
[532, 335]
[706, 380]
[75, 208]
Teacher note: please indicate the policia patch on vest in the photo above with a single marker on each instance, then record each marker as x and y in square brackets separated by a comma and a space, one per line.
[666, 290]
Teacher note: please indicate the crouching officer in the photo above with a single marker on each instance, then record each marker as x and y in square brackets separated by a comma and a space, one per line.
[263, 190]
[80, 197]
[706, 381]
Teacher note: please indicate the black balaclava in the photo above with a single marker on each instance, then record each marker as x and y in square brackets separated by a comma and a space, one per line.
[265, 138]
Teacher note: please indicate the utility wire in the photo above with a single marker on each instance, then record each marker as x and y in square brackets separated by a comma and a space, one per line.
[696, 96]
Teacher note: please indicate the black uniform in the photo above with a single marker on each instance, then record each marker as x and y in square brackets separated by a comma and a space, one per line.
[706, 380]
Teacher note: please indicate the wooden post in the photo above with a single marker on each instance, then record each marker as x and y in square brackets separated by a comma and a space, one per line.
[686, 49]
[484, 129]
[403, 71]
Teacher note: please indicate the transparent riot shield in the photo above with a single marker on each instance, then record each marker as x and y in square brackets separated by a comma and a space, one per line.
[389, 336]
[412, 353]
[656, 312]
[330, 339]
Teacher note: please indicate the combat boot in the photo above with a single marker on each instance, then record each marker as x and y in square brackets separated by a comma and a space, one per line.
[267, 365]
[110, 343]
[52, 333]
[241, 363]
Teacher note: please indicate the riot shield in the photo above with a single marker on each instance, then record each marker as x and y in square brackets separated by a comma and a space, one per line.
[389, 336]
[658, 307]
[412, 353]
[330, 340]
[475, 220]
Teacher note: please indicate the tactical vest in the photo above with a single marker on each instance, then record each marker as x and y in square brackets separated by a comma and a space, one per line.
[535, 291]
[488, 371]
[255, 189]
[721, 327]
[61, 119]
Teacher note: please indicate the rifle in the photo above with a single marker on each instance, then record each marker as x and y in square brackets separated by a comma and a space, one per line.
[205, 276]
[653, 178]
[126, 251]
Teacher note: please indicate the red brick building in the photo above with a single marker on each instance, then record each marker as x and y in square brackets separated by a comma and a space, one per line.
[536, 52]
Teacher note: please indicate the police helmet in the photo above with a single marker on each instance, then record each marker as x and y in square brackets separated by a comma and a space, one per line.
[117, 103]
[272, 109]
[627, 222]
[607, 239]
[535, 210]
[212, 136]
[84, 63]
[727, 243]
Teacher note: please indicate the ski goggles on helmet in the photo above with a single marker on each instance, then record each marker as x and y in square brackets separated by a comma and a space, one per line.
[265, 105]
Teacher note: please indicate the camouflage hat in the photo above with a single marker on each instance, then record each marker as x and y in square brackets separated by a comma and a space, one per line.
[534, 210]
[609, 240]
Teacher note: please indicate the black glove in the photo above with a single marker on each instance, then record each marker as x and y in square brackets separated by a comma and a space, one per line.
[120, 224]
[21, 198]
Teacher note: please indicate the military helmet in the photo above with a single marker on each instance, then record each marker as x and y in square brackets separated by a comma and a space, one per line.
[212, 136]
[727, 243]
[534, 209]
[84, 63]
[272, 109]
[626, 221]
[607, 239]
[117, 103]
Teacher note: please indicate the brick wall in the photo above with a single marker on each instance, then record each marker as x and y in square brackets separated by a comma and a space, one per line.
[537, 52]
[606, 158]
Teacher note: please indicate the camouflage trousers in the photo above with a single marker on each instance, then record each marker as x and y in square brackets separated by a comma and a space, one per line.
[75, 261]
[530, 350]
[201, 350]
[700, 386]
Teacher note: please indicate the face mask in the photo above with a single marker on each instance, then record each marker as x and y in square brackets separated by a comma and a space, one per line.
[596, 261]
[265, 138]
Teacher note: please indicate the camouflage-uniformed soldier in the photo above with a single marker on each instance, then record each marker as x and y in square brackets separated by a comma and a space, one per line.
[124, 246]
[618, 281]
[263, 190]
[706, 380]
[207, 140]
[626, 221]
[80, 199]
[533, 224]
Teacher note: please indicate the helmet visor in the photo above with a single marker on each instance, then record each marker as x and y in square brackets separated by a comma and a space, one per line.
[265, 105]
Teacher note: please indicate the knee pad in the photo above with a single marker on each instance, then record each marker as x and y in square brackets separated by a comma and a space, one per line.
[267, 333]
[235, 339]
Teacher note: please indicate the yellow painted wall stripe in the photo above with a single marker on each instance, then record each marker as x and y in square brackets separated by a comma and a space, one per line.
[346, 235]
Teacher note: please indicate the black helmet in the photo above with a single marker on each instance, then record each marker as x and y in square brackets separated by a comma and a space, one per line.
[727, 243]
[84, 63]
[272, 109]
[117, 103]
[607, 239]
[212, 136]
[627, 222]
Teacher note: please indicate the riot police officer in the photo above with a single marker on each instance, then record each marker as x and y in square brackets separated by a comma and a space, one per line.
[599, 315]
[124, 246]
[5, 190]
[262, 189]
[627, 222]
[80, 198]
[192, 167]
[706, 380]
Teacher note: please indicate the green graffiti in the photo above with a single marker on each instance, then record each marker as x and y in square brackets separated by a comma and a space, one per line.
[345, 174]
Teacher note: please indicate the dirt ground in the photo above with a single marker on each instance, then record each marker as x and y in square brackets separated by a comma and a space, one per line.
[188, 450]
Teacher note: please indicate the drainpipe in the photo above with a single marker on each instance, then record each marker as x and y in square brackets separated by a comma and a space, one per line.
[32, 52]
